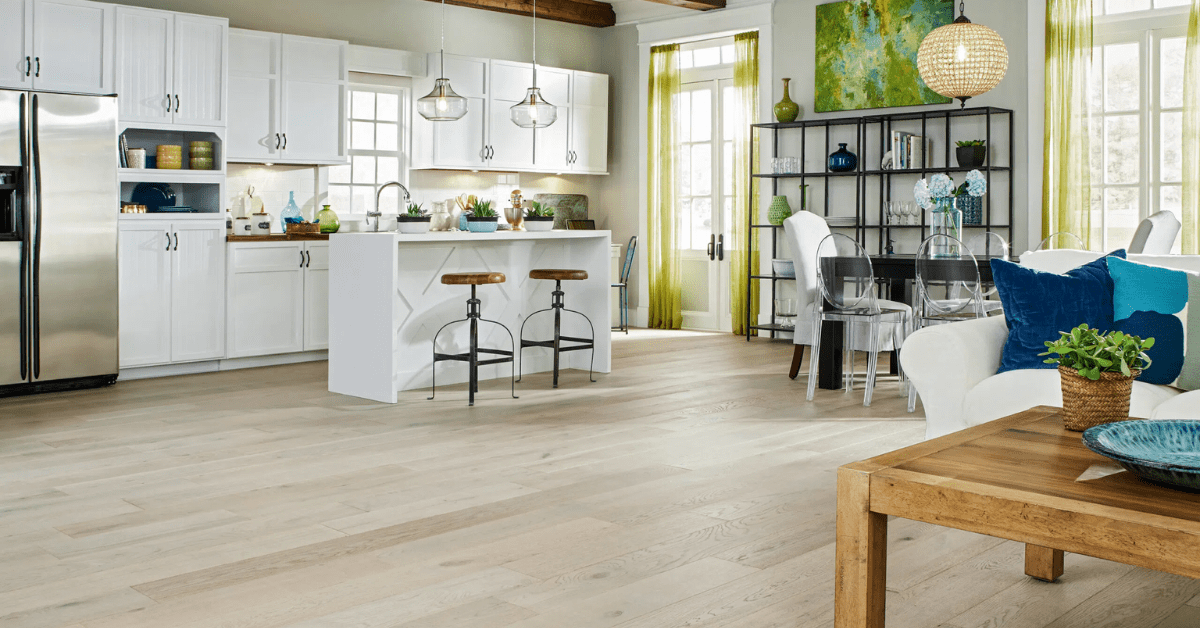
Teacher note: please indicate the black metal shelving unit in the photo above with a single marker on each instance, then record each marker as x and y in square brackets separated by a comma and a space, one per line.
[865, 127]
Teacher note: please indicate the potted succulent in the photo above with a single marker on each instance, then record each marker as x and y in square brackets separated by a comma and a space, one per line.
[483, 219]
[971, 153]
[413, 220]
[1097, 371]
[539, 217]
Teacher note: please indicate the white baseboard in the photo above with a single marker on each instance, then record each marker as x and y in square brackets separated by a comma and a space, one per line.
[212, 366]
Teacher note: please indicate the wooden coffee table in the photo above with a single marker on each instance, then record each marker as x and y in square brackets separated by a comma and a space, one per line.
[1016, 479]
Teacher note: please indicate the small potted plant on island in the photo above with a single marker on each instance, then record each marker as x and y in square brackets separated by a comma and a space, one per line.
[971, 153]
[483, 218]
[539, 217]
[1097, 371]
[413, 220]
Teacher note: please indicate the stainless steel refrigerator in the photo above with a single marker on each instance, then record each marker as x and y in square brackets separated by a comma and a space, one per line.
[59, 200]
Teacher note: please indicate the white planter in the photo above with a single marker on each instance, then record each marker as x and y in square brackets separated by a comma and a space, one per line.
[413, 226]
[538, 225]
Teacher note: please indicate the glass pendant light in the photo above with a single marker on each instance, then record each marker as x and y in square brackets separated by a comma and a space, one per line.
[962, 59]
[533, 112]
[442, 104]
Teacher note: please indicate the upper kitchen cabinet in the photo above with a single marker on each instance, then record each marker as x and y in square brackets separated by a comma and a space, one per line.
[288, 98]
[463, 143]
[56, 46]
[589, 123]
[511, 145]
[171, 68]
[553, 143]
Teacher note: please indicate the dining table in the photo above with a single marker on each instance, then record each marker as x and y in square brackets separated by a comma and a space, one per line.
[897, 273]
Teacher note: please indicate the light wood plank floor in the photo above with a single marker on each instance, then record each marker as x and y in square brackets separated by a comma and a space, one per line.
[692, 487]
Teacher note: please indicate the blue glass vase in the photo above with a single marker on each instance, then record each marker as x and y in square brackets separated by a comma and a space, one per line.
[842, 160]
[291, 212]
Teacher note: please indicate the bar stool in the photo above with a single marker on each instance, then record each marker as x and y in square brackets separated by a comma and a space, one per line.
[473, 317]
[556, 305]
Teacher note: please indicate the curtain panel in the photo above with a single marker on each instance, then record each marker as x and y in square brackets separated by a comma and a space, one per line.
[1191, 136]
[744, 298]
[662, 230]
[1066, 195]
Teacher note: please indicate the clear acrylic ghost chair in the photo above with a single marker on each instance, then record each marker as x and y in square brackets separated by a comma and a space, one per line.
[847, 283]
[1062, 240]
[986, 247]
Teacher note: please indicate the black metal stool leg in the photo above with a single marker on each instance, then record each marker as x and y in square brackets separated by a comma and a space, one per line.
[557, 305]
[513, 343]
[592, 360]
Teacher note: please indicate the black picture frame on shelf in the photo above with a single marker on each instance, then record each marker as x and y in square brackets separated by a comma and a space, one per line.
[866, 128]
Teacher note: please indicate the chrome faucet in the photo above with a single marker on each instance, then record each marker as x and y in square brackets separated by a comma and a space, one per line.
[378, 193]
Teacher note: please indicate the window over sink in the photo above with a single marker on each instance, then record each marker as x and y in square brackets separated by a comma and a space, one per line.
[379, 131]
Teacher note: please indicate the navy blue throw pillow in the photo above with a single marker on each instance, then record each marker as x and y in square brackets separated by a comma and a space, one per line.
[1038, 305]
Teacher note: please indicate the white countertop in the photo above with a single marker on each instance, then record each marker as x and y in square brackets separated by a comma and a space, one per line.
[467, 236]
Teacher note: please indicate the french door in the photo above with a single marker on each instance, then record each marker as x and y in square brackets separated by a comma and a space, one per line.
[705, 193]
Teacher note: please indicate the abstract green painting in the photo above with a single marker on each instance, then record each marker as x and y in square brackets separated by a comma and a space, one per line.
[867, 53]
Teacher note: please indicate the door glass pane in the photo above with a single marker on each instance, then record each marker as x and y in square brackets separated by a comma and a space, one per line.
[362, 105]
[1172, 147]
[702, 169]
[387, 107]
[1122, 77]
[1160, 4]
[1125, 6]
[1122, 139]
[362, 136]
[685, 171]
[701, 115]
[685, 225]
[728, 55]
[685, 59]
[1122, 214]
[727, 226]
[705, 57]
[1172, 71]
[727, 169]
[1096, 131]
[701, 223]
[730, 108]
[1096, 80]
[685, 117]
[1171, 199]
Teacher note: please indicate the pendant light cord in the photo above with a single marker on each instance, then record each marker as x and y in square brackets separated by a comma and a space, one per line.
[534, 43]
[442, 57]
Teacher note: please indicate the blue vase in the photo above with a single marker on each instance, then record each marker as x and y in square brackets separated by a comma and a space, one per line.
[291, 213]
[842, 160]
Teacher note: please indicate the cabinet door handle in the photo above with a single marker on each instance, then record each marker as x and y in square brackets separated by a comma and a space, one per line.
[176, 242]
[308, 256]
[28, 66]
[176, 103]
[301, 259]
[168, 103]
[277, 141]
[285, 141]
[168, 241]
[37, 67]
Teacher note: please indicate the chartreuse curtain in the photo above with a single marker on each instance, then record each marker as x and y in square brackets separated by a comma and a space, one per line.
[1191, 136]
[741, 263]
[662, 230]
[1066, 196]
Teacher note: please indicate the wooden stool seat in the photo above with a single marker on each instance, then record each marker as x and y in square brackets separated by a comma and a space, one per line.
[473, 279]
[555, 274]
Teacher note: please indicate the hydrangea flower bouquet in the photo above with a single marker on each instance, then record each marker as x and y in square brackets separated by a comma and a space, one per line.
[938, 194]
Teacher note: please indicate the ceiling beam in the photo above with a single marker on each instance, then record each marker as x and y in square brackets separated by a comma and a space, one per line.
[697, 5]
[585, 12]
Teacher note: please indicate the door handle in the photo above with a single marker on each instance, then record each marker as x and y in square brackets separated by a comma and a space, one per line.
[285, 141]
[301, 259]
[28, 66]
[176, 103]
[307, 259]
[712, 247]
[37, 67]
[176, 242]
[168, 234]
[721, 248]
[277, 141]
[168, 103]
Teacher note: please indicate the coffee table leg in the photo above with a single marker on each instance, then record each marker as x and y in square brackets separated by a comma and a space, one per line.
[861, 575]
[1043, 563]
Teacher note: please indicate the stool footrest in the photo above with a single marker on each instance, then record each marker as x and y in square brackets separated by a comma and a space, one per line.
[574, 348]
[585, 340]
[466, 357]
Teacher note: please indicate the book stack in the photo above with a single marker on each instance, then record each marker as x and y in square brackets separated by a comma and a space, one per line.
[908, 150]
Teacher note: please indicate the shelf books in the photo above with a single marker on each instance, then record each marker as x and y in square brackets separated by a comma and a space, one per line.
[909, 151]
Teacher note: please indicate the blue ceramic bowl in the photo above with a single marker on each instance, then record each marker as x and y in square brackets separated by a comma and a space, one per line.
[482, 226]
[1164, 452]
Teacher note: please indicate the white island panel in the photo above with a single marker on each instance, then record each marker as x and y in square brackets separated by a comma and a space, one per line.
[387, 302]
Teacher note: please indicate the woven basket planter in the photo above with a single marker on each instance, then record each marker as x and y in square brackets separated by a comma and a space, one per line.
[1088, 403]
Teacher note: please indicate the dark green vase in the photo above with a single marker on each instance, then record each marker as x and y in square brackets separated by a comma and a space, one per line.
[786, 110]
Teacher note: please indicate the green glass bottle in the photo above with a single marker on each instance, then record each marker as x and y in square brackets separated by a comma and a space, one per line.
[328, 219]
[786, 110]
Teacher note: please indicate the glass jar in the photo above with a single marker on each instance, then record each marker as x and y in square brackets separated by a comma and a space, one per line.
[328, 220]
[291, 212]
[945, 219]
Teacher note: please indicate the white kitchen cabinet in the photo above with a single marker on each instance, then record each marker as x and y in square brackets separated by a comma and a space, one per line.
[16, 44]
[278, 298]
[73, 46]
[316, 296]
[172, 291]
[487, 138]
[171, 67]
[290, 99]
[462, 143]
[589, 123]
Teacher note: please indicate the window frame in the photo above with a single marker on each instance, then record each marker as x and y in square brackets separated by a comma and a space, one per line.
[403, 143]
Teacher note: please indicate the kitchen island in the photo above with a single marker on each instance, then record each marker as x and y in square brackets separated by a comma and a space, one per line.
[386, 302]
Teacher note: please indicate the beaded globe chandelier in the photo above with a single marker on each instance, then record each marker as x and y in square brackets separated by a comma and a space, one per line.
[962, 59]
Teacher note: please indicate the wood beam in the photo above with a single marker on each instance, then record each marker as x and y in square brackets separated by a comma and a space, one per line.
[697, 5]
[585, 12]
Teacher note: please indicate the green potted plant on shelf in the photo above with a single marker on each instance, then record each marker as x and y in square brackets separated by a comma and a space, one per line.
[539, 217]
[971, 153]
[483, 219]
[1097, 371]
[413, 220]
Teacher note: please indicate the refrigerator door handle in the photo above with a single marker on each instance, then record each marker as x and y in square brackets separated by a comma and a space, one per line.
[23, 227]
[35, 315]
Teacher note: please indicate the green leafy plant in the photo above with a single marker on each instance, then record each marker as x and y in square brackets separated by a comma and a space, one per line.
[967, 143]
[536, 209]
[414, 210]
[483, 209]
[1092, 353]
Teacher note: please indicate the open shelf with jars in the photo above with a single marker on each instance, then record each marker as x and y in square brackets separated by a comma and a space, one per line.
[203, 190]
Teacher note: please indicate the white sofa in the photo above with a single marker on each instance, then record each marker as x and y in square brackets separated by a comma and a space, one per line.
[953, 366]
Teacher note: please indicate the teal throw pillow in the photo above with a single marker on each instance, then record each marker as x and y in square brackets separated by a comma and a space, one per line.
[1152, 302]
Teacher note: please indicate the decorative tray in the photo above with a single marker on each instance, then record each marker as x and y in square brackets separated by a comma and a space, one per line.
[1163, 452]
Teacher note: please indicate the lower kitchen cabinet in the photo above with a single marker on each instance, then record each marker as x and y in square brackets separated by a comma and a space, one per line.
[277, 298]
[172, 291]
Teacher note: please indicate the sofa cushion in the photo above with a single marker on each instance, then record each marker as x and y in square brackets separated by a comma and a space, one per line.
[1185, 406]
[1016, 391]
[1038, 305]
[1152, 302]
